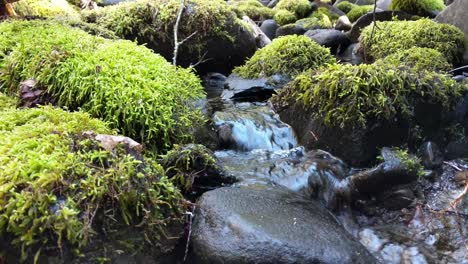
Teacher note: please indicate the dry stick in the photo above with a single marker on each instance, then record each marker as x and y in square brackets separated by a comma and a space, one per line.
[176, 29]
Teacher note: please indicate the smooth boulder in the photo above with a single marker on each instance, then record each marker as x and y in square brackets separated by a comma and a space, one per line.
[269, 225]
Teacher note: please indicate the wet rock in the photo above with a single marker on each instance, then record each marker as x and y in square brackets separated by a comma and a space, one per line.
[269, 225]
[272, 3]
[397, 199]
[214, 84]
[367, 19]
[431, 155]
[456, 14]
[269, 27]
[239, 89]
[334, 39]
[30, 94]
[395, 170]
[351, 55]
[456, 150]
[290, 29]
[343, 23]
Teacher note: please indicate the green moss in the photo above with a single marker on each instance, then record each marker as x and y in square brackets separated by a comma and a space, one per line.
[358, 11]
[393, 36]
[349, 96]
[253, 9]
[313, 23]
[284, 17]
[288, 55]
[126, 85]
[45, 8]
[7, 102]
[419, 59]
[59, 187]
[419, 7]
[345, 6]
[151, 22]
[299, 7]
[186, 163]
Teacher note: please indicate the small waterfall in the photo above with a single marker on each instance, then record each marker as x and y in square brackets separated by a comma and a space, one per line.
[254, 126]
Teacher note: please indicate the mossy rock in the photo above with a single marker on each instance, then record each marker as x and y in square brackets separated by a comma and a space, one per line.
[420, 59]
[62, 189]
[288, 55]
[134, 90]
[393, 36]
[314, 23]
[45, 8]
[345, 6]
[354, 110]
[300, 8]
[251, 8]
[418, 7]
[358, 11]
[284, 17]
[218, 37]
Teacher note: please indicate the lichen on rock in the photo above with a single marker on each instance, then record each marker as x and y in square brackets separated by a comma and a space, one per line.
[289, 55]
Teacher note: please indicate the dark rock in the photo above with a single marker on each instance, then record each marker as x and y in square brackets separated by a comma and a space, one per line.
[397, 199]
[252, 90]
[367, 19]
[456, 150]
[225, 136]
[269, 27]
[214, 84]
[343, 23]
[334, 39]
[30, 94]
[456, 14]
[272, 3]
[290, 29]
[431, 155]
[351, 55]
[393, 171]
[269, 225]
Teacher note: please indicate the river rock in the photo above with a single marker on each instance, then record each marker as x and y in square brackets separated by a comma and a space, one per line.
[269, 225]
[269, 27]
[334, 39]
[343, 23]
[214, 84]
[431, 155]
[457, 15]
[351, 55]
[239, 89]
[290, 29]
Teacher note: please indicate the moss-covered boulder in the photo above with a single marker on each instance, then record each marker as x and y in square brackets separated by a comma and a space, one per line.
[289, 55]
[45, 8]
[134, 90]
[352, 111]
[65, 193]
[299, 7]
[345, 6]
[358, 11]
[393, 36]
[251, 8]
[419, 59]
[418, 7]
[284, 17]
[214, 35]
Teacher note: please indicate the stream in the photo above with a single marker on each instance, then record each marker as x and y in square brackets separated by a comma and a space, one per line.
[261, 150]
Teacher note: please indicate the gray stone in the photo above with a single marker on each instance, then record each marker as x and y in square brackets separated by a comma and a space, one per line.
[269, 27]
[343, 23]
[334, 39]
[269, 225]
[239, 89]
[290, 29]
[384, 4]
[456, 14]
[431, 155]
[214, 84]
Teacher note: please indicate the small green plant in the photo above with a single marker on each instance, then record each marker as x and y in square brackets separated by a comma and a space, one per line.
[299, 7]
[185, 163]
[420, 59]
[134, 90]
[284, 17]
[358, 11]
[58, 186]
[289, 55]
[418, 7]
[394, 36]
[411, 162]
